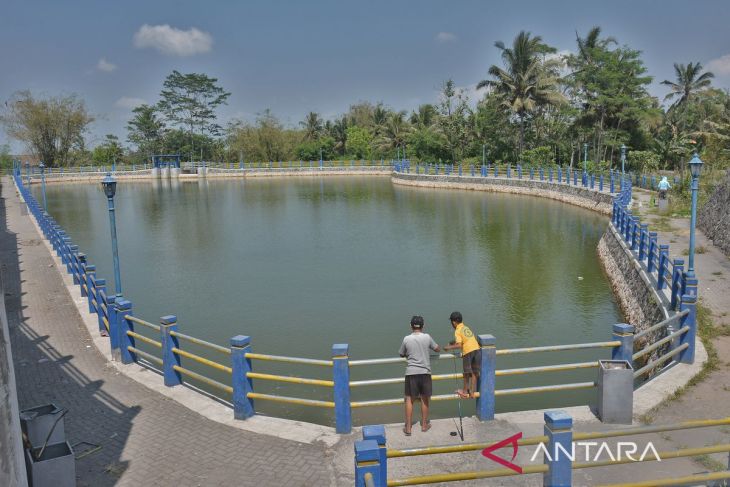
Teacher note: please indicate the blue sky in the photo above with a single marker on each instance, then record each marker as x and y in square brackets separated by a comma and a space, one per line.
[296, 56]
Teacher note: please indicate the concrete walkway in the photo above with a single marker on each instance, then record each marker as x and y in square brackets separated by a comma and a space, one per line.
[710, 398]
[145, 438]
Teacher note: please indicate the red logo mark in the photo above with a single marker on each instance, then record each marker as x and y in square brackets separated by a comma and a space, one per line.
[512, 440]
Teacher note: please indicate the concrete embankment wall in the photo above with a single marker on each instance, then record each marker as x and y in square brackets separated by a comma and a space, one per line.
[12, 463]
[640, 303]
[714, 218]
[601, 202]
[215, 173]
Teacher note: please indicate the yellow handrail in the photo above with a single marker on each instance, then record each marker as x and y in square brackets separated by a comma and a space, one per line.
[663, 455]
[291, 400]
[293, 380]
[474, 475]
[688, 480]
[202, 360]
[202, 378]
[143, 338]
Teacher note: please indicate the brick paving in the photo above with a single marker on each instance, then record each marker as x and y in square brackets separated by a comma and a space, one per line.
[146, 438]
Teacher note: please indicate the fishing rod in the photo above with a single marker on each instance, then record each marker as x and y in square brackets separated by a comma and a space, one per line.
[460, 427]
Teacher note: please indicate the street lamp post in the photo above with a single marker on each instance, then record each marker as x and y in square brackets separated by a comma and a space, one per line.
[43, 186]
[695, 167]
[484, 154]
[623, 158]
[110, 188]
[585, 162]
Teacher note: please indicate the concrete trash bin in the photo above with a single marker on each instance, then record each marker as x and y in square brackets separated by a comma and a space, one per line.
[37, 422]
[615, 391]
[55, 468]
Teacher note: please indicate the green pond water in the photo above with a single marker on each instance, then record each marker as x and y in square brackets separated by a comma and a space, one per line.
[302, 263]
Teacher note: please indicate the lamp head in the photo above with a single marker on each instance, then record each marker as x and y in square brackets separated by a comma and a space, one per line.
[110, 185]
[695, 166]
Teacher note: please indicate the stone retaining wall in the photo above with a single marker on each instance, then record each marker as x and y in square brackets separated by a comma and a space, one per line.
[595, 200]
[714, 218]
[640, 303]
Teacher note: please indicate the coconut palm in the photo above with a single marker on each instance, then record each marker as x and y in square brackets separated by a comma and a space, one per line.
[689, 81]
[395, 132]
[529, 80]
[425, 116]
[312, 125]
[592, 40]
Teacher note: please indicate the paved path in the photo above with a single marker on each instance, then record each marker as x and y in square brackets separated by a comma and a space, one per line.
[146, 438]
[710, 398]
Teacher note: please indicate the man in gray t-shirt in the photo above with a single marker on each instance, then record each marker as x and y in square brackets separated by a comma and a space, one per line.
[416, 349]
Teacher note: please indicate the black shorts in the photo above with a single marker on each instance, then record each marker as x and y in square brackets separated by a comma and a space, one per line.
[418, 385]
[472, 362]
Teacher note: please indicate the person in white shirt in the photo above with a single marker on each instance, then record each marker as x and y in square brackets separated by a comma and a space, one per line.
[416, 349]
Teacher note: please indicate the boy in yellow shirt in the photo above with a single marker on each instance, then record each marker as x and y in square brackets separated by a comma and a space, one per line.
[471, 354]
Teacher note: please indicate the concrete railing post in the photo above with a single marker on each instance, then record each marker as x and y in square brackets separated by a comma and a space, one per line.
[651, 262]
[87, 283]
[367, 456]
[635, 225]
[496, 170]
[123, 308]
[71, 261]
[341, 375]
[243, 406]
[644, 233]
[662, 269]
[559, 430]
[100, 288]
[81, 272]
[377, 434]
[487, 378]
[689, 302]
[623, 333]
[677, 272]
[550, 174]
[170, 359]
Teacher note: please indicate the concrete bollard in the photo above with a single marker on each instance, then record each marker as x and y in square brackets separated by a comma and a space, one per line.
[624, 333]
[377, 434]
[558, 429]
[367, 456]
[170, 359]
[689, 303]
[243, 406]
[487, 378]
[123, 308]
[341, 377]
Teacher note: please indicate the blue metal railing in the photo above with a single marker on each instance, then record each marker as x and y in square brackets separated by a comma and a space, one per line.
[116, 320]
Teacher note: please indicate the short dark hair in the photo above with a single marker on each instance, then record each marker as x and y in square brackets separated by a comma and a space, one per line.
[456, 317]
[417, 322]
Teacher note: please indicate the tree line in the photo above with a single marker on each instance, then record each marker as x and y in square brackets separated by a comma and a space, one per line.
[537, 106]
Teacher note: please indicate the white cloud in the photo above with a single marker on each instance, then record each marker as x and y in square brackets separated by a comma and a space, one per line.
[105, 66]
[445, 37]
[172, 41]
[720, 65]
[129, 102]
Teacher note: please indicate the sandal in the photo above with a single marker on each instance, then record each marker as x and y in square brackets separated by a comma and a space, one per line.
[426, 428]
[407, 433]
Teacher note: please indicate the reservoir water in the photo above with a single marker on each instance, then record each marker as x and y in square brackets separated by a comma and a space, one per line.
[302, 263]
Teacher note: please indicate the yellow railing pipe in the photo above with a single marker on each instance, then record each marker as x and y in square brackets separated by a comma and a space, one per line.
[474, 475]
[699, 479]
[293, 380]
[202, 360]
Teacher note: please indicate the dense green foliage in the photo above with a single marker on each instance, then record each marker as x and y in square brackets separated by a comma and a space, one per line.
[537, 107]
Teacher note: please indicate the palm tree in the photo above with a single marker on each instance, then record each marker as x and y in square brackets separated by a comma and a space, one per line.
[528, 79]
[338, 131]
[592, 40]
[689, 82]
[425, 116]
[313, 126]
[395, 132]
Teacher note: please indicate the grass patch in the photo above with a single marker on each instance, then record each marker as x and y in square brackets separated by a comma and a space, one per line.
[710, 463]
[707, 332]
[662, 224]
[718, 273]
[700, 249]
